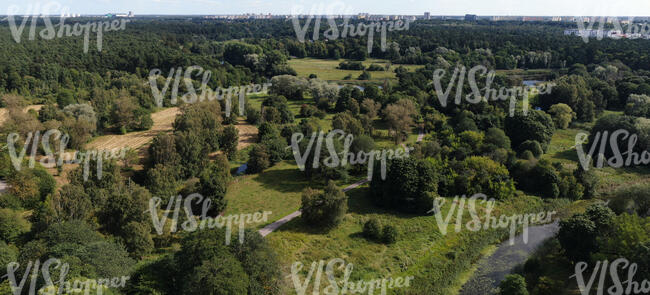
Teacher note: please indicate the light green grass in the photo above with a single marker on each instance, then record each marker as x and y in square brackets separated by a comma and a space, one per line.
[420, 243]
[277, 189]
[326, 69]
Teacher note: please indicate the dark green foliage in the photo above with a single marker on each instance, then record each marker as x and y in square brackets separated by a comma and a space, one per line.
[258, 159]
[77, 241]
[162, 181]
[137, 239]
[325, 209]
[389, 234]
[72, 203]
[372, 229]
[351, 65]
[589, 180]
[229, 141]
[214, 182]
[531, 145]
[633, 199]
[537, 126]
[364, 76]
[252, 115]
[407, 187]
[279, 103]
[163, 151]
[8, 254]
[12, 225]
[577, 236]
[513, 285]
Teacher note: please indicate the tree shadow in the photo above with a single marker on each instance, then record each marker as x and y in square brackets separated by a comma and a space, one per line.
[571, 155]
[284, 180]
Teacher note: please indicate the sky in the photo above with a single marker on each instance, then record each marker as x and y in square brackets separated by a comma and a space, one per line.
[409, 7]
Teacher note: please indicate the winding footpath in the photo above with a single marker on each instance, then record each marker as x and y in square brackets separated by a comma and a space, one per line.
[273, 226]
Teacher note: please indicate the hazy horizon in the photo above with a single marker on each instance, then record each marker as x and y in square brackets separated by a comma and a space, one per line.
[276, 7]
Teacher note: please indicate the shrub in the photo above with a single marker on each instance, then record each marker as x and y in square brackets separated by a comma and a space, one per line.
[364, 76]
[513, 285]
[372, 229]
[324, 209]
[252, 115]
[389, 234]
[375, 67]
[562, 115]
[12, 225]
[258, 159]
[351, 65]
[533, 146]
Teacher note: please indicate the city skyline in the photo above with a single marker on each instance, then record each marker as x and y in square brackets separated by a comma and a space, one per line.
[274, 7]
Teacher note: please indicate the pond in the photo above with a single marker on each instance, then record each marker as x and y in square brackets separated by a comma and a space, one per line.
[492, 269]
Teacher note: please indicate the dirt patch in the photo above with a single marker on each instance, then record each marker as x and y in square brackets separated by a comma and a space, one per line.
[247, 134]
[4, 112]
[162, 122]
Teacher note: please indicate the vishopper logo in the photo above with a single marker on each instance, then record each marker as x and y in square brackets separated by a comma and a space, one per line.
[50, 160]
[204, 221]
[633, 31]
[619, 159]
[62, 285]
[346, 157]
[341, 10]
[491, 222]
[343, 286]
[36, 12]
[629, 286]
[206, 93]
[490, 94]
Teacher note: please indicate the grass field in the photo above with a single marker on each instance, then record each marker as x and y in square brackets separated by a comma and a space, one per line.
[326, 69]
[162, 122]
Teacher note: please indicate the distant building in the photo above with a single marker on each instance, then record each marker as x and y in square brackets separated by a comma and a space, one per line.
[427, 15]
[471, 17]
[119, 14]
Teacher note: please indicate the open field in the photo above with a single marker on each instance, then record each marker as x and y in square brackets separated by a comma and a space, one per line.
[162, 122]
[326, 69]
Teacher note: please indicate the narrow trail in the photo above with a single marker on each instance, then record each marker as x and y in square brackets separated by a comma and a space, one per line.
[273, 226]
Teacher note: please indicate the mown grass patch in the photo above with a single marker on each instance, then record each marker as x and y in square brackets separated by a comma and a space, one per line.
[326, 69]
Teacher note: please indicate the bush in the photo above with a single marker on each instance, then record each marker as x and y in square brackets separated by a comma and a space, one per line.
[531, 145]
[375, 67]
[372, 229]
[389, 234]
[252, 115]
[364, 76]
[324, 209]
[12, 225]
[513, 285]
[258, 159]
[351, 65]
[307, 111]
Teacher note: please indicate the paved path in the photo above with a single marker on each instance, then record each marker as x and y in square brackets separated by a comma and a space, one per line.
[273, 226]
[3, 187]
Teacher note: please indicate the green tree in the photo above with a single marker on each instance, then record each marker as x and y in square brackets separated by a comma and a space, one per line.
[137, 239]
[562, 115]
[325, 209]
[513, 285]
[229, 141]
[12, 225]
[214, 182]
[258, 159]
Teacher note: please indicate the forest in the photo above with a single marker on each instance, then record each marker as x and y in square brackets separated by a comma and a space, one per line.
[99, 226]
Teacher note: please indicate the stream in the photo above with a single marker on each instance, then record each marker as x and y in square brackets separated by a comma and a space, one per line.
[492, 269]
